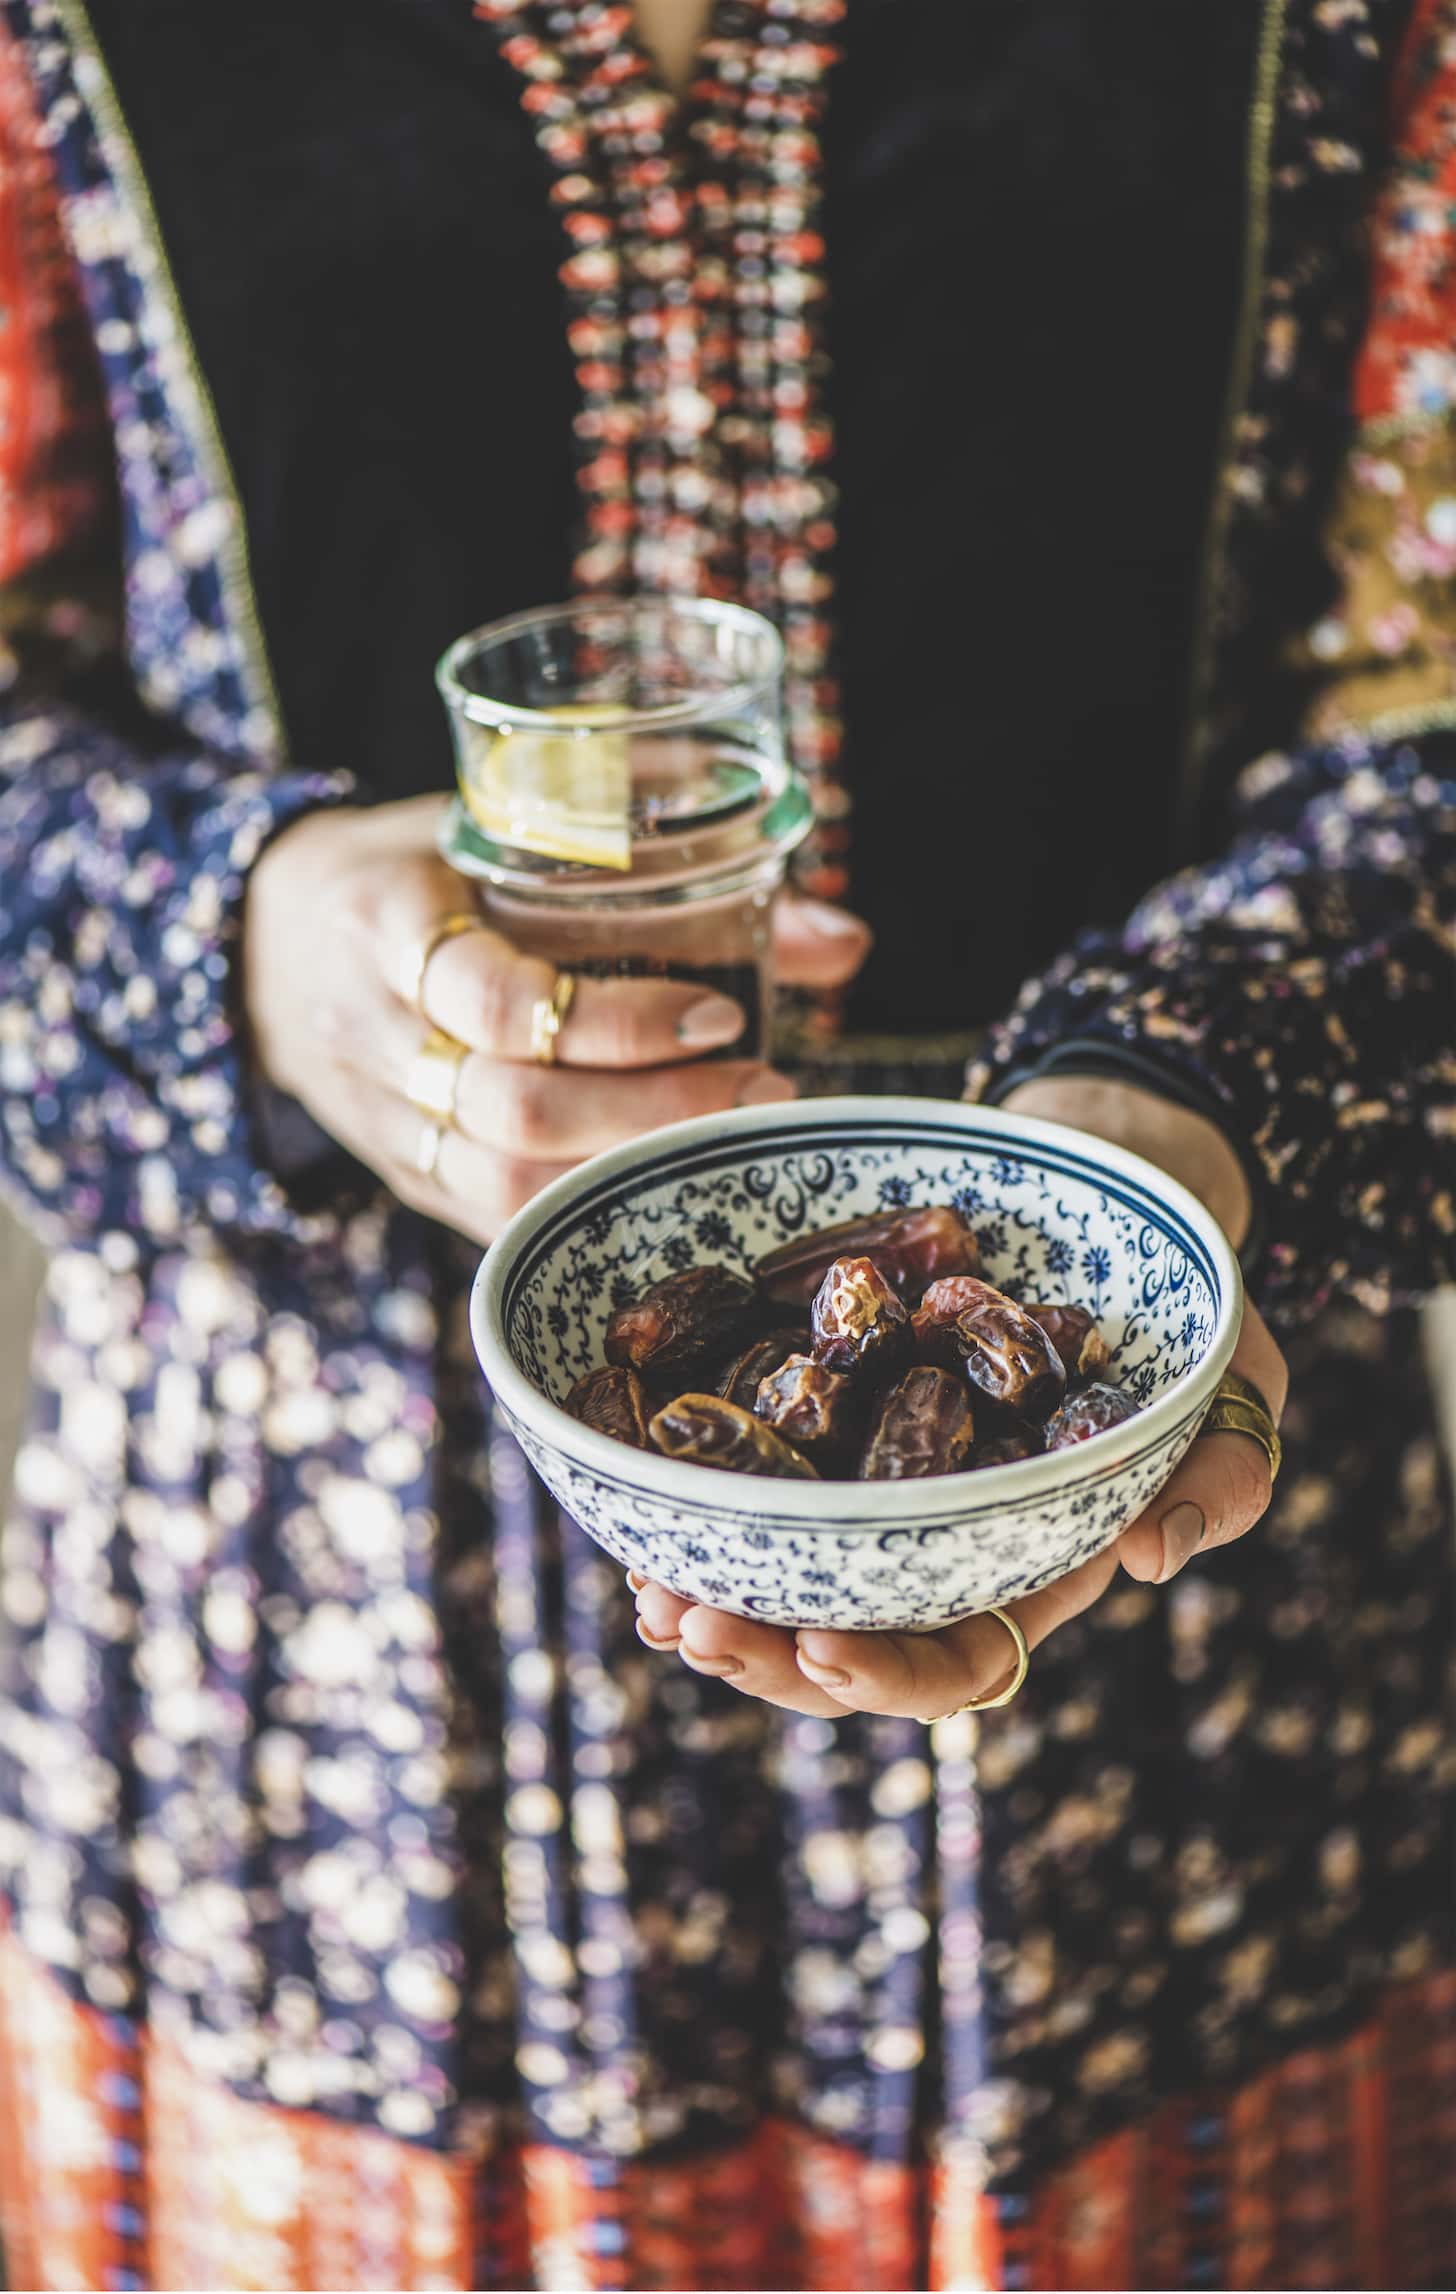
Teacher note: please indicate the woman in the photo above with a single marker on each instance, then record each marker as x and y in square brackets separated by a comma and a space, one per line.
[381, 1911]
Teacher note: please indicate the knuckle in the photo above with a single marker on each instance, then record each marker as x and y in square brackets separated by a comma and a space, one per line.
[358, 900]
[492, 995]
[530, 1110]
[622, 1029]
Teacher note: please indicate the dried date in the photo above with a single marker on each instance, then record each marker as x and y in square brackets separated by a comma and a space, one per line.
[860, 1327]
[910, 1248]
[704, 1430]
[937, 1338]
[1084, 1351]
[924, 1426]
[682, 1321]
[613, 1402]
[746, 1372]
[867, 1385]
[1093, 1411]
[811, 1406]
[1009, 1357]
[1009, 1447]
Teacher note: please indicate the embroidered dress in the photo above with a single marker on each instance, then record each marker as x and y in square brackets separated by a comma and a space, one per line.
[376, 1909]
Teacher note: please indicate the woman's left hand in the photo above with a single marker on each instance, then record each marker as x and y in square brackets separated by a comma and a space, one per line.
[1217, 1494]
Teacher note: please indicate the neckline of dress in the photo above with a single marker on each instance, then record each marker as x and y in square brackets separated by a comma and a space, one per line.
[601, 43]
[702, 74]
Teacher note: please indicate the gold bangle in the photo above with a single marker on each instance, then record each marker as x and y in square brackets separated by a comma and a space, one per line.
[1013, 1688]
[464, 920]
[1239, 1408]
[548, 1017]
[432, 1081]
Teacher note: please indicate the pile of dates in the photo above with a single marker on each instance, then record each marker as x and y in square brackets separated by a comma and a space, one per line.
[871, 1351]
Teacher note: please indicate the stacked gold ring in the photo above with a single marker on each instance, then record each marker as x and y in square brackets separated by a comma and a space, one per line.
[548, 1017]
[464, 920]
[432, 1083]
[1239, 1408]
[432, 1087]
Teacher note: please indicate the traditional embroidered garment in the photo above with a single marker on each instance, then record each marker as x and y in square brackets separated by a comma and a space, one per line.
[378, 1911]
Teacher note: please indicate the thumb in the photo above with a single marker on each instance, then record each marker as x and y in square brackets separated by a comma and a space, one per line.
[816, 946]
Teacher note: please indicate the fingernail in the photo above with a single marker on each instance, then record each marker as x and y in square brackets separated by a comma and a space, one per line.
[672, 1641]
[832, 923]
[1184, 1529]
[636, 1580]
[722, 1668]
[763, 1090]
[710, 1022]
[823, 1676]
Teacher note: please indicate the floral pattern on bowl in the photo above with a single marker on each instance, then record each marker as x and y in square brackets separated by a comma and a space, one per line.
[1059, 1216]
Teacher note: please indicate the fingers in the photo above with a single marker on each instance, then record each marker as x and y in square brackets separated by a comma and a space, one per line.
[485, 995]
[1222, 1487]
[551, 1114]
[471, 1188]
[555, 1114]
[659, 1613]
[912, 1676]
[923, 1676]
[816, 946]
[756, 1659]
[481, 991]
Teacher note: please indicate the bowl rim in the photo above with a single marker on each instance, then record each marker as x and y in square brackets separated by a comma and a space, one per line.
[694, 1488]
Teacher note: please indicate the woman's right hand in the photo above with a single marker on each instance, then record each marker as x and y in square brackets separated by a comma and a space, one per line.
[339, 907]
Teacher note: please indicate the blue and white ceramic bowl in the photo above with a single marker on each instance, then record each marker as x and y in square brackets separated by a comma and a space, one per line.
[1059, 1216]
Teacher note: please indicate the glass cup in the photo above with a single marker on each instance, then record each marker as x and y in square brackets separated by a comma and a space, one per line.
[624, 796]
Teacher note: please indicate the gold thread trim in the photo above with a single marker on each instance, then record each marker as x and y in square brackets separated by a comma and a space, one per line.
[1367, 689]
[1262, 110]
[1394, 724]
[125, 165]
[1391, 429]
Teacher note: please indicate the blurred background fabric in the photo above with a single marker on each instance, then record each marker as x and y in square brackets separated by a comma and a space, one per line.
[22, 1263]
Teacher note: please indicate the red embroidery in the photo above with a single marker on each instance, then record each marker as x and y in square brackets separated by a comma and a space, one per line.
[54, 454]
[1327, 2170]
[1407, 363]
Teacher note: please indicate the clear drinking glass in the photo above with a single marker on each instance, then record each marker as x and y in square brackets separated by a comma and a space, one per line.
[624, 796]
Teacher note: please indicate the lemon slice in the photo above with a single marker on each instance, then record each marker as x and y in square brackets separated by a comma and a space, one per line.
[565, 795]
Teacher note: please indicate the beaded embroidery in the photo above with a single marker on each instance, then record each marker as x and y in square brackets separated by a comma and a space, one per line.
[697, 297]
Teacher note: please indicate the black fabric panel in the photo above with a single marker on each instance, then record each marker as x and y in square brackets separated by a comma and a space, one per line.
[1036, 221]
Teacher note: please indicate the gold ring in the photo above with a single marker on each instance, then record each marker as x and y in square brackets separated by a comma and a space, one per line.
[1239, 1408]
[432, 1082]
[464, 920]
[1019, 1672]
[427, 1153]
[548, 1017]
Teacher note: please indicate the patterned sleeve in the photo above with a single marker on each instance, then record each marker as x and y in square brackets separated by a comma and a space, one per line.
[124, 850]
[1301, 987]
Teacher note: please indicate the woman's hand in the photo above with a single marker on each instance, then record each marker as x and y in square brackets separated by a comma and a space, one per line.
[1217, 1494]
[338, 910]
